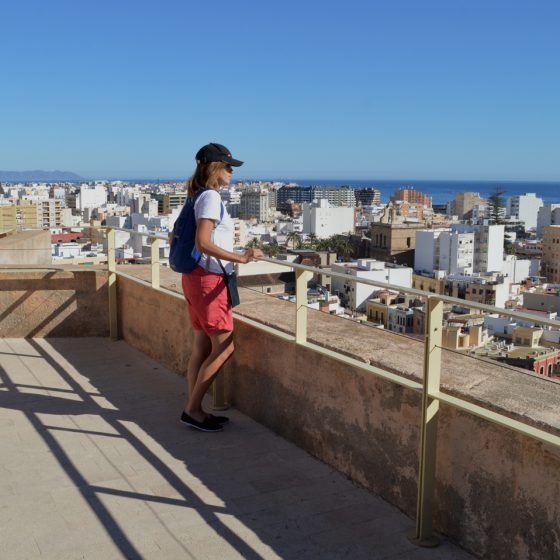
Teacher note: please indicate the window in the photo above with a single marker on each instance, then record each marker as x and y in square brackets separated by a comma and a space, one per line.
[541, 371]
[408, 242]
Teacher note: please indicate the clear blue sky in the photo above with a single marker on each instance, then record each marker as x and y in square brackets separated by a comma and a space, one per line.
[449, 89]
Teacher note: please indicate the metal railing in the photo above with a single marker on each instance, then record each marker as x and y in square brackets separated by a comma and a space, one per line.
[430, 388]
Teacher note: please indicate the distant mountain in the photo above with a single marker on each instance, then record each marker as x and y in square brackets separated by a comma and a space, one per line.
[38, 175]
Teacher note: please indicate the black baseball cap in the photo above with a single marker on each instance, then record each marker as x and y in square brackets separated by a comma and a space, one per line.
[216, 152]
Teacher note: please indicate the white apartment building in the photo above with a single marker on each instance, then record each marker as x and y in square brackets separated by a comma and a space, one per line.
[230, 195]
[91, 197]
[525, 208]
[355, 295]
[444, 250]
[66, 250]
[324, 220]
[498, 325]
[518, 270]
[122, 238]
[549, 215]
[488, 246]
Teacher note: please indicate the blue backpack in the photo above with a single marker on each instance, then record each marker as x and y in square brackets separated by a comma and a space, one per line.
[183, 254]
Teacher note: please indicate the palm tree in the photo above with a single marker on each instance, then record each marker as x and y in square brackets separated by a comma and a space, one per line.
[343, 247]
[295, 238]
[254, 244]
[324, 245]
[272, 249]
[312, 241]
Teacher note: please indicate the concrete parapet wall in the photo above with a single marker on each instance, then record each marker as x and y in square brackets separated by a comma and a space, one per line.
[53, 303]
[26, 248]
[497, 493]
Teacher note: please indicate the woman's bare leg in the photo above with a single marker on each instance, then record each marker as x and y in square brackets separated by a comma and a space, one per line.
[201, 348]
[222, 349]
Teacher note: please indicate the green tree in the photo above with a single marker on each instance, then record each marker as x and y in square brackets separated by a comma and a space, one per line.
[311, 242]
[254, 244]
[496, 203]
[509, 248]
[343, 246]
[272, 250]
[325, 245]
[294, 238]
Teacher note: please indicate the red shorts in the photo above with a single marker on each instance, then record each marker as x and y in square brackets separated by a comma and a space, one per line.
[207, 299]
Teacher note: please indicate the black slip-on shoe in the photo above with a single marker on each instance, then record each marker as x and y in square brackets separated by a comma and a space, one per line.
[217, 419]
[204, 426]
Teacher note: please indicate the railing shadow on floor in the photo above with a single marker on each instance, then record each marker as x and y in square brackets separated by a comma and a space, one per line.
[135, 405]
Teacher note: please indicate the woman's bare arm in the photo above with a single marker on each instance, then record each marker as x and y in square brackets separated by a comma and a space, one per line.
[204, 244]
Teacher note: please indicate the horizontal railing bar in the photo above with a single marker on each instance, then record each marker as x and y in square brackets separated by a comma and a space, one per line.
[421, 293]
[456, 402]
[497, 418]
[149, 234]
[389, 376]
[461, 404]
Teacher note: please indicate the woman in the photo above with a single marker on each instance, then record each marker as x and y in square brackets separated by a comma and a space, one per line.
[204, 288]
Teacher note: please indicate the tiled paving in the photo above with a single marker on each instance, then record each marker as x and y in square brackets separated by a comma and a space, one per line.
[95, 465]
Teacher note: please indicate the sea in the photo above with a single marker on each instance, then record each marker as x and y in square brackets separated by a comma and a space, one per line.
[444, 191]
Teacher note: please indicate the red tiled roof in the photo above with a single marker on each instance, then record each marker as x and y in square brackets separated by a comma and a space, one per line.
[66, 237]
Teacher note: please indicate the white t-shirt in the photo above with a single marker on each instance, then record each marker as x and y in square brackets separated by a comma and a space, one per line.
[209, 205]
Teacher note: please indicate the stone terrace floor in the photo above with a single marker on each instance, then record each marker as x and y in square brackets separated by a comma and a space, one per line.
[94, 464]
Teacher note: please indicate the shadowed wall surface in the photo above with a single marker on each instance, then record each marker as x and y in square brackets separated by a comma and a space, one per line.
[53, 303]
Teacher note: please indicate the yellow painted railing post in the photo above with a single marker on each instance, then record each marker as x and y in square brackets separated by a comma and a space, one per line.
[423, 534]
[112, 284]
[154, 249]
[302, 277]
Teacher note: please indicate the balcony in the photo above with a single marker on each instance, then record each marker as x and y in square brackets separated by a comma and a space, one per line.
[91, 429]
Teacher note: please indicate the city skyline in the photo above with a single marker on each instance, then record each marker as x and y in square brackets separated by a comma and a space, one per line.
[314, 91]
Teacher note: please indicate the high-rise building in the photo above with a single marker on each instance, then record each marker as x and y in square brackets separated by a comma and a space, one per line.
[337, 196]
[254, 204]
[464, 203]
[488, 246]
[525, 208]
[548, 215]
[412, 196]
[444, 250]
[324, 220]
[91, 197]
[368, 197]
[167, 202]
[50, 213]
[28, 215]
[550, 263]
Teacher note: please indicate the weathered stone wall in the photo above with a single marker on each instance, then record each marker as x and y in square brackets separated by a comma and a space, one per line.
[53, 303]
[26, 248]
[497, 493]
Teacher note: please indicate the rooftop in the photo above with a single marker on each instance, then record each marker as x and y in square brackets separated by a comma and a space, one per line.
[347, 394]
[96, 465]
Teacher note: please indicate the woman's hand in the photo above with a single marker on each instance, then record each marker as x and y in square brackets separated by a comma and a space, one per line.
[251, 254]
